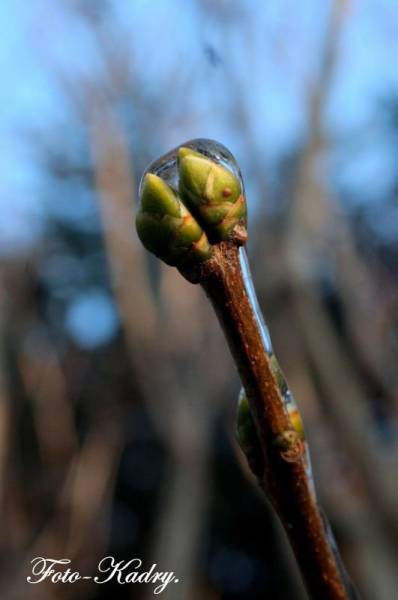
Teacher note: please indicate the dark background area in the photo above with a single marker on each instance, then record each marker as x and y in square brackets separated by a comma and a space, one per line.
[117, 391]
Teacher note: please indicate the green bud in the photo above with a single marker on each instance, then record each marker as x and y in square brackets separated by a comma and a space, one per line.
[167, 228]
[278, 374]
[291, 407]
[297, 422]
[246, 432]
[212, 192]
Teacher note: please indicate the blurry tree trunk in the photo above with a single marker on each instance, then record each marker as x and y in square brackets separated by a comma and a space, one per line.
[346, 406]
[181, 507]
[367, 550]
[84, 500]
[370, 318]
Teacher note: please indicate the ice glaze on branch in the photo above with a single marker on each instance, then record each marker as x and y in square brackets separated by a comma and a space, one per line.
[197, 224]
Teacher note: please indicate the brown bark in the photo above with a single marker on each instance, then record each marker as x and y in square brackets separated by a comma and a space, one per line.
[286, 480]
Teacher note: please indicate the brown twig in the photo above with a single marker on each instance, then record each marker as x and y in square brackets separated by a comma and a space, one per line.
[286, 479]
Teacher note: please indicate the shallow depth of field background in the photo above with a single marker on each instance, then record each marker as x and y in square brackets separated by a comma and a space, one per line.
[117, 391]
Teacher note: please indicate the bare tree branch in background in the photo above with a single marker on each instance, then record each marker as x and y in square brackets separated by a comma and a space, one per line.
[53, 416]
[368, 552]
[83, 501]
[184, 430]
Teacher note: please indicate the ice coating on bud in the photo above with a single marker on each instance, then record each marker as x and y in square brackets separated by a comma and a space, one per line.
[166, 227]
[277, 373]
[246, 432]
[290, 404]
[191, 198]
[212, 192]
[158, 198]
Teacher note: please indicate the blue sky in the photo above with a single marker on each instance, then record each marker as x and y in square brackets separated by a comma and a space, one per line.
[273, 53]
[205, 66]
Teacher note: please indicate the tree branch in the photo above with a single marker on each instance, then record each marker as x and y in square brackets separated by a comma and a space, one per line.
[286, 479]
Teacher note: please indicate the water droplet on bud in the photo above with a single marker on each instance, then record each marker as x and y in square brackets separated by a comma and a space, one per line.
[166, 166]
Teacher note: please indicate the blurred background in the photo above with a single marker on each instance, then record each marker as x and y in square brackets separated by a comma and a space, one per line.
[117, 391]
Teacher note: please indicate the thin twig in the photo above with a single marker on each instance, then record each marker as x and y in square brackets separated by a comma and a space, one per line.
[286, 479]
